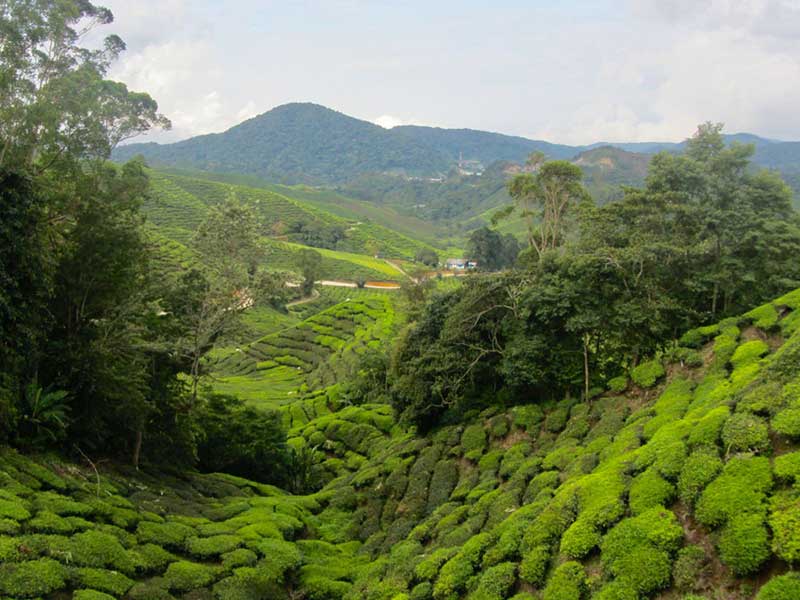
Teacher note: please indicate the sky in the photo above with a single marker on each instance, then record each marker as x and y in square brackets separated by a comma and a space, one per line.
[573, 71]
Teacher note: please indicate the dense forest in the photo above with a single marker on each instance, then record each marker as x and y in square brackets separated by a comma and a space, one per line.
[607, 406]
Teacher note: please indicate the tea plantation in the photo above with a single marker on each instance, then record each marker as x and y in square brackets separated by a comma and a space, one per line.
[274, 369]
[680, 483]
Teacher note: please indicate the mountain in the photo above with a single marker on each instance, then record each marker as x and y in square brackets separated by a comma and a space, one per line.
[607, 168]
[483, 146]
[310, 144]
[296, 143]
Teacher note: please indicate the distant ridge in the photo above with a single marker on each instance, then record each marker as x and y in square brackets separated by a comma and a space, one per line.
[312, 144]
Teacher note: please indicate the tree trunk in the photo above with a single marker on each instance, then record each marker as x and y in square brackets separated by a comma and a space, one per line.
[586, 368]
[137, 449]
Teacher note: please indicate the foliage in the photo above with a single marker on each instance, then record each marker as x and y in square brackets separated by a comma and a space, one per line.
[646, 374]
[744, 545]
[241, 440]
[745, 432]
[492, 251]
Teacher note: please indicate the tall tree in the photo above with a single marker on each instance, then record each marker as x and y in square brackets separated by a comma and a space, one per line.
[490, 250]
[310, 264]
[544, 199]
[55, 103]
[228, 241]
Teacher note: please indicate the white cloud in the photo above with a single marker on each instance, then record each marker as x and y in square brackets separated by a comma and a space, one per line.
[640, 70]
[388, 121]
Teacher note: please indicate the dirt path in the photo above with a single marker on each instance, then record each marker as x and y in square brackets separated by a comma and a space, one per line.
[399, 268]
[314, 295]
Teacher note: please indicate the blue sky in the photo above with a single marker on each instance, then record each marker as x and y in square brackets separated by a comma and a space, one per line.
[572, 72]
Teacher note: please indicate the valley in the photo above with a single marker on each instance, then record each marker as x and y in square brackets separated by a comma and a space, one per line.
[310, 357]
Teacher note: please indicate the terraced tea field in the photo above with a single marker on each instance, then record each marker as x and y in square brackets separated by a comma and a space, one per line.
[277, 368]
[179, 204]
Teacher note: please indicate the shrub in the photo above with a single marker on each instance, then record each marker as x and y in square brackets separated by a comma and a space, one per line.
[279, 557]
[241, 557]
[49, 522]
[765, 398]
[61, 505]
[556, 419]
[688, 568]
[646, 569]
[740, 488]
[13, 509]
[579, 539]
[648, 373]
[527, 416]
[745, 432]
[785, 524]
[649, 490]
[91, 595]
[168, 534]
[748, 353]
[787, 466]
[764, 317]
[422, 591]
[9, 527]
[707, 430]
[33, 578]
[698, 471]
[686, 357]
[247, 583]
[496, 582]
[787, 422]
[429, 566]
[96, 549]
[657, 527]
[317, 587]
[110, 582]
[184, 576]
[617, 590]
[670, 459]
[212, 546]
[9, 549]
[743, 545]
[498, 426]
[567, 583]
[725, 345]
[533, 566]
[618, 384]
[783, 587]
[473, 441]
[695, 338]
[150, 557]
[456, 572]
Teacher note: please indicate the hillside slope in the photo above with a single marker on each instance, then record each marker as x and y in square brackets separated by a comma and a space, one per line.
[178, 204]
[311, 144]
[296, 143]
[681, 483]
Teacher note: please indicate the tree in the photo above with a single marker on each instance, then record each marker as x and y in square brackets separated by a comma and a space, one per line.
[242, 440]
[546, 196]
[427, 256]
[26, 271]
[310, 264]
[492, 251]
[229, 242]
[55, 105]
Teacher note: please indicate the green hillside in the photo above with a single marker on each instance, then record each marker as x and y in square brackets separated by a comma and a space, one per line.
[331, 201]
[685, 478]
[178, 204]
[296, 143]
[278, 368]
